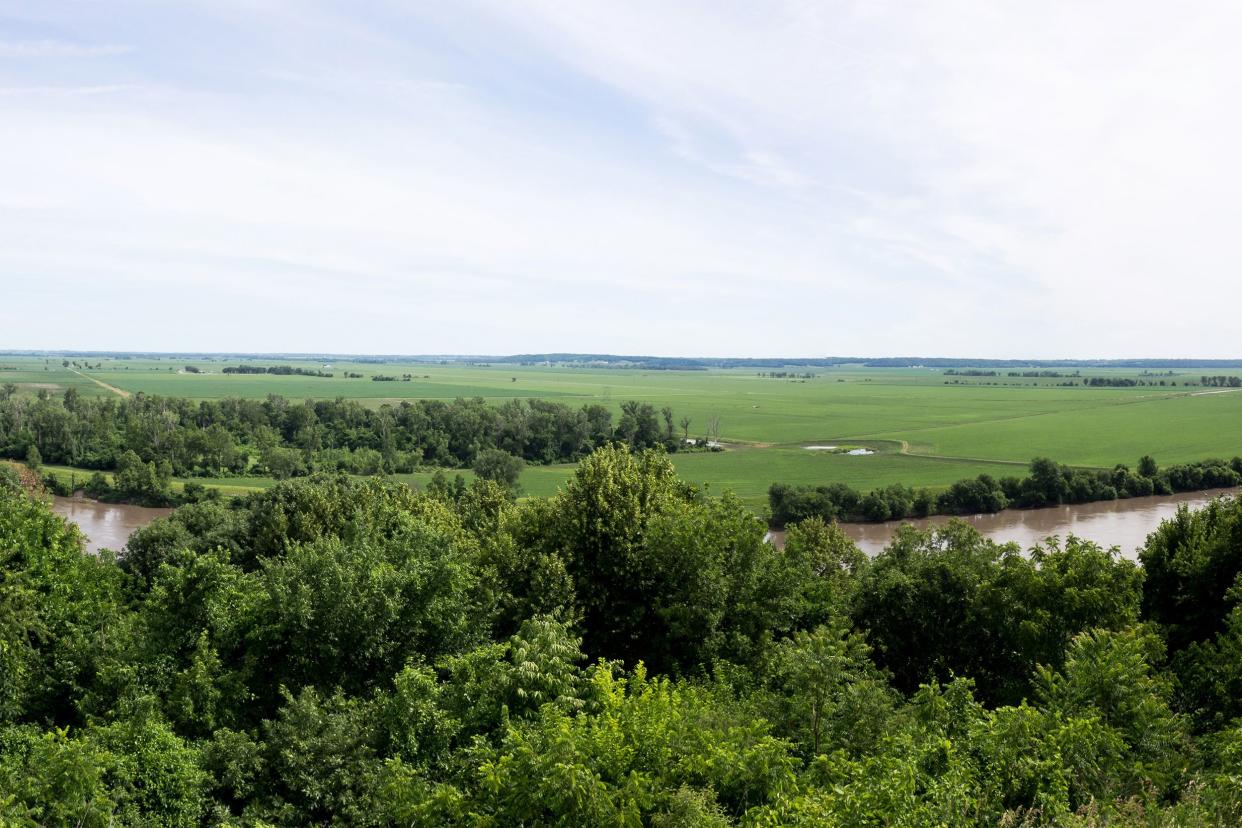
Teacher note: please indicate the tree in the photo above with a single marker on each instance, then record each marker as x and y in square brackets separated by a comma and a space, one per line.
[1110, 674]
[817, 671]
[639, 426]
[1192, 562]
[1046, 485]
[319, 765]
[950, 602]
[349, 614]
[48, 778]
[819, 568]
[1147, 466]
[34, 460]
[685, 428]
[597, 528]
[283, 463]
[141, 481]
[499, 467]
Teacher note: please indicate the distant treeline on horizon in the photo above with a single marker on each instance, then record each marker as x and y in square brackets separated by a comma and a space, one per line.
[667, 363]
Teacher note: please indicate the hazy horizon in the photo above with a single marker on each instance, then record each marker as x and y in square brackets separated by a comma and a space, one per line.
[789, 359]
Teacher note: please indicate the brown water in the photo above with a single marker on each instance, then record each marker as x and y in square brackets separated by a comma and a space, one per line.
[1122, 523]
[105, 525]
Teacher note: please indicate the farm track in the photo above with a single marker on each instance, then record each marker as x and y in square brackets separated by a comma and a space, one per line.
[120, 392]
[905, 449]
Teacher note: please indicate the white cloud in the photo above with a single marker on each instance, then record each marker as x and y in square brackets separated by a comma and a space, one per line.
[58, 49]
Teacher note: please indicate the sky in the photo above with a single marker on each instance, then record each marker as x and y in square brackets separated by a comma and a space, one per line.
[1007, 179]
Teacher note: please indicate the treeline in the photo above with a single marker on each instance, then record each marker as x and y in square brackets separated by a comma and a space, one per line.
[280, 370]
[1114, 382]
[283, 438]
[1047, 484]
[1038, 374]
[1221, 382]
[682, 363]
[1099, 382]
[336, 651]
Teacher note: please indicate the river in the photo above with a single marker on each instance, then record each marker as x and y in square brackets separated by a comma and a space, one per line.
[1122, 523]
[105, 525]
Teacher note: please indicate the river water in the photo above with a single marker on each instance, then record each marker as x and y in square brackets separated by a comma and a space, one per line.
[1122, 523]
[105, 525]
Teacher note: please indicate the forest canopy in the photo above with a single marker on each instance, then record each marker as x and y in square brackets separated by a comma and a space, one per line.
[345, 651]
[283, 438]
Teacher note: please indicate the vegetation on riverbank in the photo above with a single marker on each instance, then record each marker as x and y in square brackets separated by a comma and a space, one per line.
[337, 650]
[282, 439]
[1048, 484]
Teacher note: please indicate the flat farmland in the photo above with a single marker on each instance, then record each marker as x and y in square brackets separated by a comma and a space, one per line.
[928, 427]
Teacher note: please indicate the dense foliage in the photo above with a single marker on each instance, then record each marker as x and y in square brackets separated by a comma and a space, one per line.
[283, 438]
[629, 652]
[279, 370]
[1047, 484]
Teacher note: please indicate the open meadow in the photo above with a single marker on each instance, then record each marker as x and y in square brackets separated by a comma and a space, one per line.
[927, 427]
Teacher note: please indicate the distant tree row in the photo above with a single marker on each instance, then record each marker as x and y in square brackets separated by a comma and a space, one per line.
[1221, 382]
[280, 370]
[1047, 484]
[283, 438]
[1094, 382]
[1039, 374]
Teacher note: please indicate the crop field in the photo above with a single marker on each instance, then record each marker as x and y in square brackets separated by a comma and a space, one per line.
[927, 427]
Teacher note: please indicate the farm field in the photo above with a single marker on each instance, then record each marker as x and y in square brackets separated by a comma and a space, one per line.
[929, 427]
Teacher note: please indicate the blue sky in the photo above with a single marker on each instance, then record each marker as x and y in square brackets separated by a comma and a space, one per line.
[716, 178]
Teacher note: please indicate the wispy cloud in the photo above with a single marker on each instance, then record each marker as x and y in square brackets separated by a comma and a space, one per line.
[98, 89]
[839, 177]
[59, 49]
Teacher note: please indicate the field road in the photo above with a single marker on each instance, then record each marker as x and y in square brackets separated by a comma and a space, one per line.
[118, 391]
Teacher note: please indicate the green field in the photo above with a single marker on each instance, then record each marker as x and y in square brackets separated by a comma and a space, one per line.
[926, 432]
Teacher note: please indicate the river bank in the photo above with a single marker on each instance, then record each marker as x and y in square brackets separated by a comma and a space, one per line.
[1122, 523]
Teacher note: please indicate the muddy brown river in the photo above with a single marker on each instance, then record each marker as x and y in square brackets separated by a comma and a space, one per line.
[105, 525]
[1122, 523]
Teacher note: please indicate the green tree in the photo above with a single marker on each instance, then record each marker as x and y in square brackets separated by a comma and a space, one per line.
[499, 467]
[319, 762]
[48, 778]
[829, 689]
[818, 570]
[1111, 675]
[61, 613]
[949, 602]
[141, 481]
